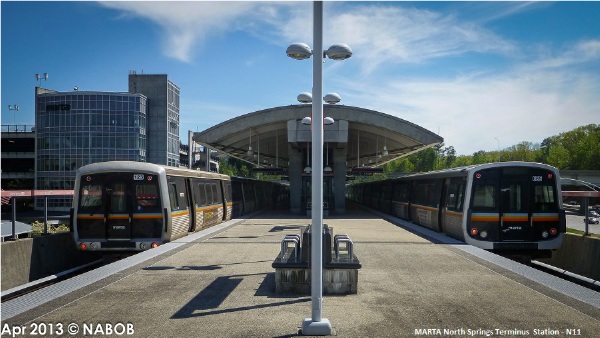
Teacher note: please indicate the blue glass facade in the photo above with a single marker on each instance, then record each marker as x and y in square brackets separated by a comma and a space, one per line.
[78, 128]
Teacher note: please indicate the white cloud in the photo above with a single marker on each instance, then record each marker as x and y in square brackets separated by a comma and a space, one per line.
[384, 34]
[527, 103]
[379, 34]
[187, 24]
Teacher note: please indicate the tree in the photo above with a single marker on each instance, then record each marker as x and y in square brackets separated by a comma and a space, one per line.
[558, 156]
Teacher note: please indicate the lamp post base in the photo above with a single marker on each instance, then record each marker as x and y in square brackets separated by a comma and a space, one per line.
[321, 328]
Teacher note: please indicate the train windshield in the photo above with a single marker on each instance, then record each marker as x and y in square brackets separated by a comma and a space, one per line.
[119, 194]
[516, 203]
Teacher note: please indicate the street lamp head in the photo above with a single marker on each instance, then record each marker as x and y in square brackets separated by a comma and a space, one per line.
[332, 98]
[305, 97]
[339, 51]
[328, 121]
[306, 121]
[299, 51]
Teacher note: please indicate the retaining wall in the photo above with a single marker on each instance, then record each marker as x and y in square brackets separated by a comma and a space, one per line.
[578, 254]
[29, 259]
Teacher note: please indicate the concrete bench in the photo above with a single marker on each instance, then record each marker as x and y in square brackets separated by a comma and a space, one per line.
[340, 267]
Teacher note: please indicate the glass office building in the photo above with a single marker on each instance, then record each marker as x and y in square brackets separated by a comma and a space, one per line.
[78, 128]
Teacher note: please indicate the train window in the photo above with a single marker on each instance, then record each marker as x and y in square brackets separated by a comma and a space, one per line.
[209, 194]
[173, 197]
[146, 197]
[544, 198]
[427, 193]
[386, 192]
[218, 193]
[118, 198]
[512, 198]
[91, 196]
[454, 199]
[229, 191]
[484, 196]
[236, 192]
[202, 193]
[461, 196]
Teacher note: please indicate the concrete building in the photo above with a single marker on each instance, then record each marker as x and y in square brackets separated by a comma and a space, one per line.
[163, 116]
[18, 157]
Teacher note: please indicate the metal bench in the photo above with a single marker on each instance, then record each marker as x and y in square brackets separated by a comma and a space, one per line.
[289, 239]
[337, 240]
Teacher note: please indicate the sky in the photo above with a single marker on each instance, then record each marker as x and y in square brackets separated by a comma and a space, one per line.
[483, 75]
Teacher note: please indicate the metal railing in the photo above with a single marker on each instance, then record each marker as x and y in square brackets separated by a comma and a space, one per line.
[18, 128]
[12, 195]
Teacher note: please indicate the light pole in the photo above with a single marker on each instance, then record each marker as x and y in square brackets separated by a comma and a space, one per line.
[39, 78]
[317, 325]
[331, 98]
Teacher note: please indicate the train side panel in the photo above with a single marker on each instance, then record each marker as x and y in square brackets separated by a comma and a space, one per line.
[180, 216]
[425, 203]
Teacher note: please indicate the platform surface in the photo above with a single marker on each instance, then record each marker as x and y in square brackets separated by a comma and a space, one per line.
[222, 285]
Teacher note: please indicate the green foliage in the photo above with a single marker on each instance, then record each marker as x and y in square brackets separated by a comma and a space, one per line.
[37, 228]
[233, 167]
[578, 149]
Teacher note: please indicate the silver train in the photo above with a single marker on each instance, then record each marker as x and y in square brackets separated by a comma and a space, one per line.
[513, 208]
[134, 206]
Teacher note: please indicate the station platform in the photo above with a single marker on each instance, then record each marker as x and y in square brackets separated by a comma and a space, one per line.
[219, 283]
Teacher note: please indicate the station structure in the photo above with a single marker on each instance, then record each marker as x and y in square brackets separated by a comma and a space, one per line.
[276, 141]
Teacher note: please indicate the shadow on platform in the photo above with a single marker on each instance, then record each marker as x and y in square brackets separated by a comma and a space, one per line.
[207, 302]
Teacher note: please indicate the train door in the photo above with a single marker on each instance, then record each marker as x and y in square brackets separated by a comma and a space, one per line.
[452, 207]
[180, 209]
[514, 205]
[227, 200]
[118, 216]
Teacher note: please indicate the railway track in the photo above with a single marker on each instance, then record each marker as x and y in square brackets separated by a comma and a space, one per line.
[46, 281]
[567, 275]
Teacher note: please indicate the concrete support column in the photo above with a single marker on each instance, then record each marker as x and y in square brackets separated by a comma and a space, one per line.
[339, 178]
[295, 174]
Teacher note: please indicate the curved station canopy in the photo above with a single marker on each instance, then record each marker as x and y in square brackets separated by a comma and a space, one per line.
[358, 142]
[370, 138]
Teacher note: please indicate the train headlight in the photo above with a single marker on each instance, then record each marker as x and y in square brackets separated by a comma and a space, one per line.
[154, 245]
[553, 231]
[93, 246]
[144, 246]
[474, 231]
[483, 234]
[545, 234]
[83, 246]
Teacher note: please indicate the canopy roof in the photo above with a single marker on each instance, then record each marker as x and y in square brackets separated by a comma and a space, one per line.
[269, 133]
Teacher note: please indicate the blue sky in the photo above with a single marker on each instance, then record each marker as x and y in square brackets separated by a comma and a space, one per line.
[482, 74]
